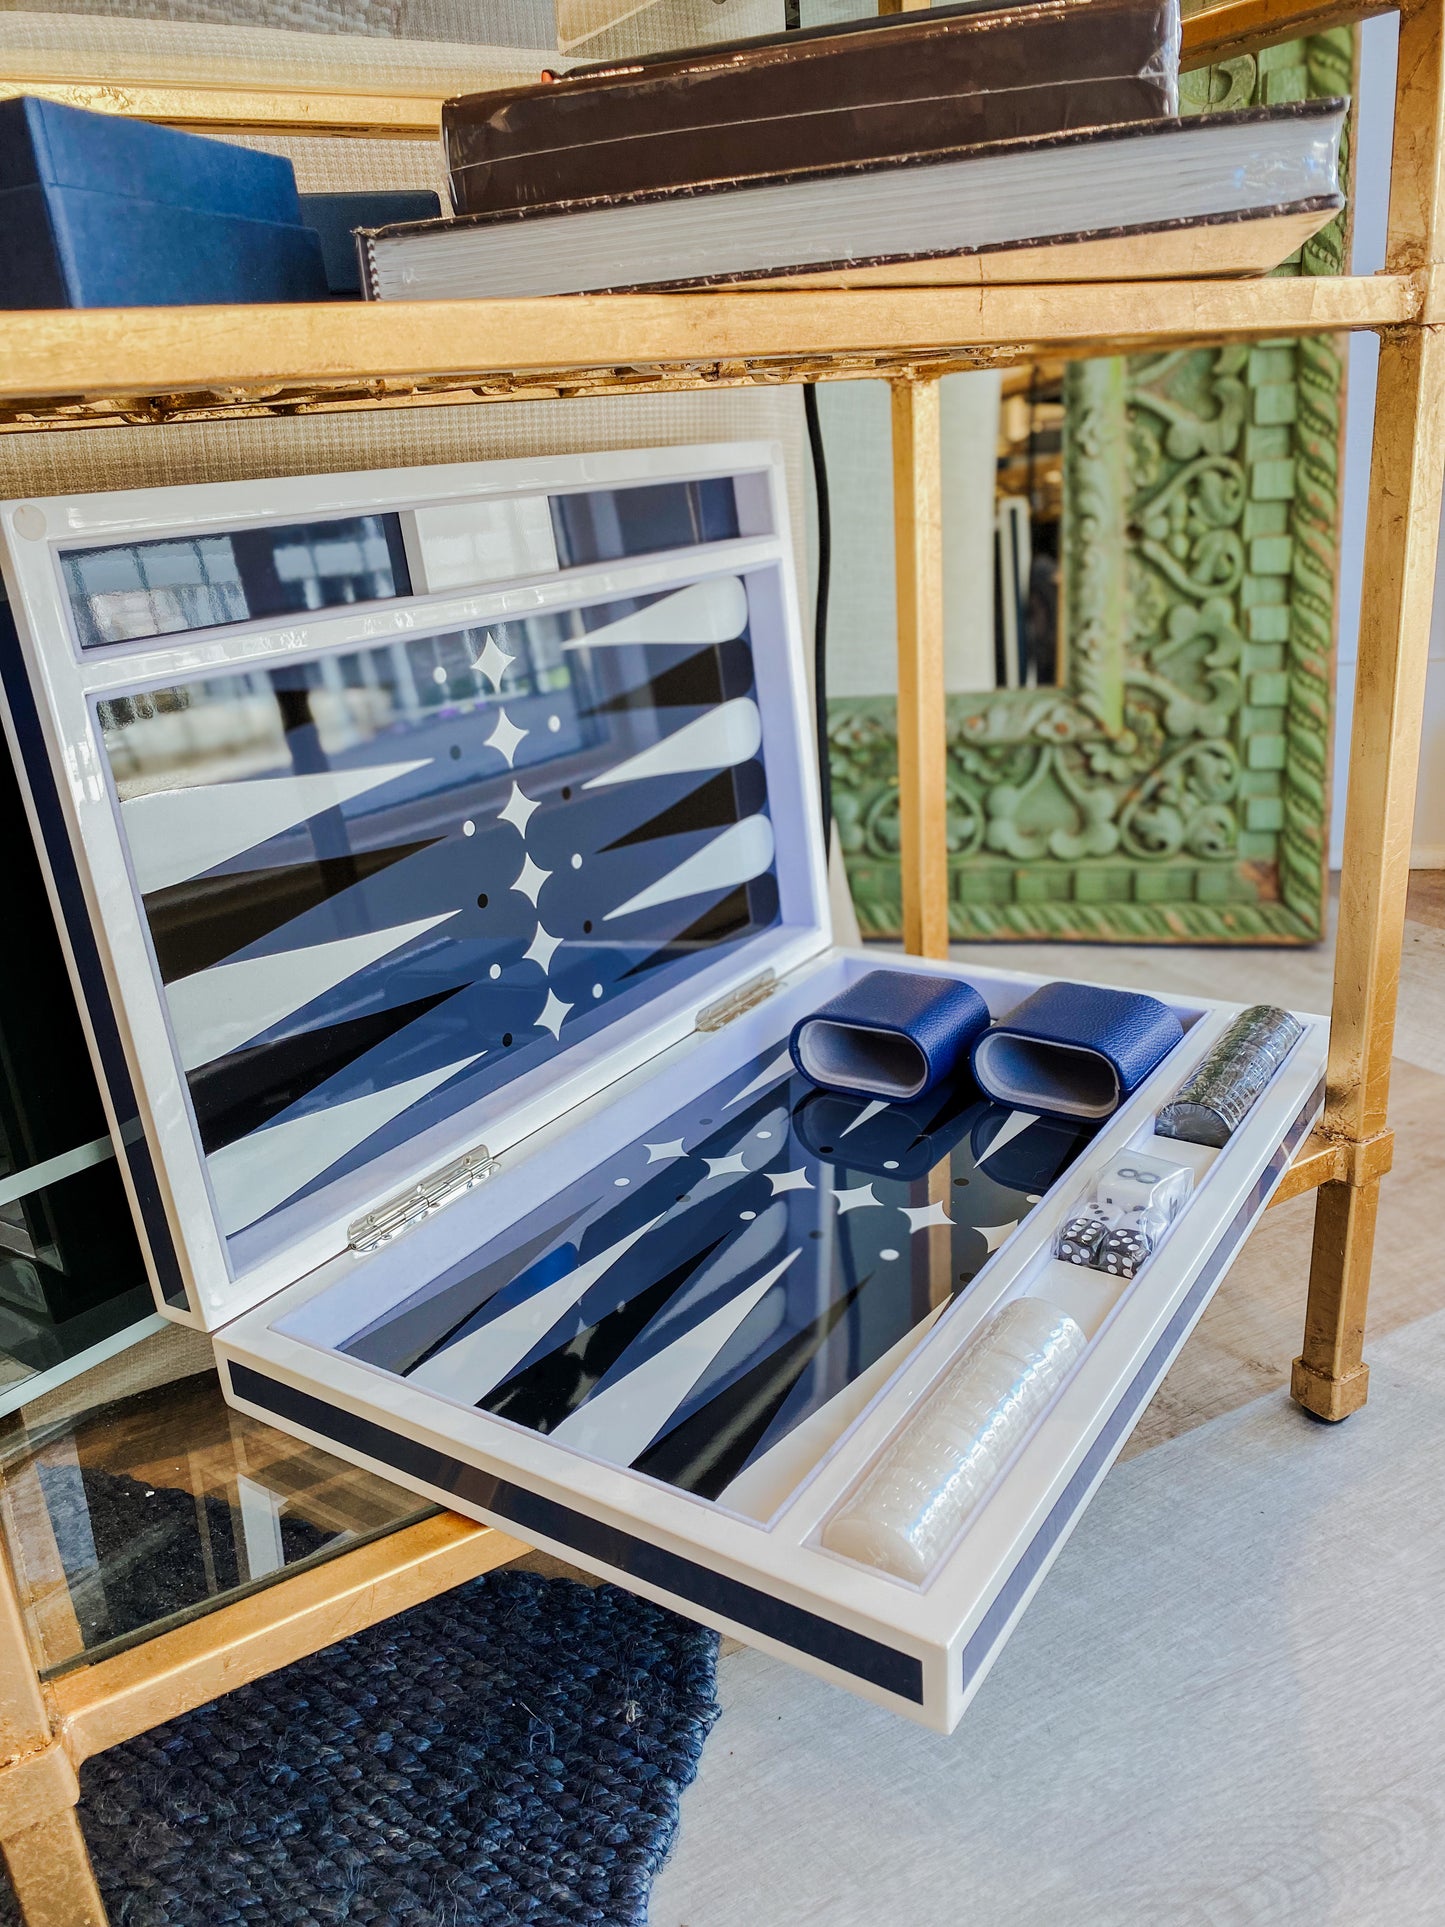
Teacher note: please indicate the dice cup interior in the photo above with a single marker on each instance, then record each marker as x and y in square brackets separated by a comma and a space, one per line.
[1034, 1074]
[893, 1034]
[1074, 1050]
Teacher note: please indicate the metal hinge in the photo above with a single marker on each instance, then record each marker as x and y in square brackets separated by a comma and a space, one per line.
[714, 1016]
[408, 1208]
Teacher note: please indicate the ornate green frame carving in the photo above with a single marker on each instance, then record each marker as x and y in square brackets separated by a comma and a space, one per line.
[1174, 788]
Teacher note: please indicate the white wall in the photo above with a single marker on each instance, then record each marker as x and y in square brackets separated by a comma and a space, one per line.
[862, 620]
[1375, 90]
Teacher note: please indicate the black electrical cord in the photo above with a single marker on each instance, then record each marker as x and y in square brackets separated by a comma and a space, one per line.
[820, 608]
[792, 21]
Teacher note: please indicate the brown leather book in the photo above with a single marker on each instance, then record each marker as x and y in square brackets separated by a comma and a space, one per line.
[870, 91]
[1217, 194]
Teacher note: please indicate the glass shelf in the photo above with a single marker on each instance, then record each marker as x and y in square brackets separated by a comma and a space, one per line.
[130, 1517]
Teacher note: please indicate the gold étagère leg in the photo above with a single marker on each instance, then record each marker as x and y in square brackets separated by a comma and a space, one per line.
[922, 737]
[44, 1849]
[49, 1869]
[1330, 1377]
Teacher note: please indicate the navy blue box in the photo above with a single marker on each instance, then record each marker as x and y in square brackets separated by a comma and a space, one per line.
[100, 211]
[336, 217]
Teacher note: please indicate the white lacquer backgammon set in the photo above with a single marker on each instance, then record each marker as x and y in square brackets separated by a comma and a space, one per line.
[437, 853]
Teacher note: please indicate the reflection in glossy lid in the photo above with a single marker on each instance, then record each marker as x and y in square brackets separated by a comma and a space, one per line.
[383, 884]
[686, 1307]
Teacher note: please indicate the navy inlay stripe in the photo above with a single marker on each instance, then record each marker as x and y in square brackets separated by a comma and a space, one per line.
[39, 778]
[990, 1629]
[533, 1516]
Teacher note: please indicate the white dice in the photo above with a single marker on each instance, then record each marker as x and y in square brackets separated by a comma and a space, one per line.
[1138, 1181]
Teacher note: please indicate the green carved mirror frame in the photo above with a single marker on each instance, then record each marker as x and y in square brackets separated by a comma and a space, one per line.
[1174, 787]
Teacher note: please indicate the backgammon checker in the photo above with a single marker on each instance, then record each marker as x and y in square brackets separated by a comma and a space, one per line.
[438, 859]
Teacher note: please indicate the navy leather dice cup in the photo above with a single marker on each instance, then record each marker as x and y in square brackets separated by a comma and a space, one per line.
[895, 1035]
[1075, 1050]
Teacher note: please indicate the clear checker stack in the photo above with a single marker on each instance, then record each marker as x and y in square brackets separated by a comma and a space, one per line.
[438, 857]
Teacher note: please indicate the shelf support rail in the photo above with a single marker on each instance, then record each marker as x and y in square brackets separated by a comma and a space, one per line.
[1330, 1377]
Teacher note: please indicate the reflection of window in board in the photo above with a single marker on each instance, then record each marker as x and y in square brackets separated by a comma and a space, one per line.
[127, 591]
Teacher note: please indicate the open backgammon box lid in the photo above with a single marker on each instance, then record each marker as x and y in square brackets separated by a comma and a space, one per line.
[437, 853]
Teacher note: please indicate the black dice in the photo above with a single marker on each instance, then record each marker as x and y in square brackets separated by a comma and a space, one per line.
[1123, 1252]
[1081, 1237]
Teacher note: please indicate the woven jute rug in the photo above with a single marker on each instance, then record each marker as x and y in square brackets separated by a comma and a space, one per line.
[509, 1755]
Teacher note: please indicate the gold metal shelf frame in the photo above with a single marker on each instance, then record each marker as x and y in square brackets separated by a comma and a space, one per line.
[93, 369]
[85, 367]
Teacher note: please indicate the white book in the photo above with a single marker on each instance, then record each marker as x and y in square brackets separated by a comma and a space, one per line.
[1217, 194]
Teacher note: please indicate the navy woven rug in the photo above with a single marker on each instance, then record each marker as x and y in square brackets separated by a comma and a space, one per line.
[509, 1755]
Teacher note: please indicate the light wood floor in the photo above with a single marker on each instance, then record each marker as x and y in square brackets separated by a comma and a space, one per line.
[1225, 1708]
